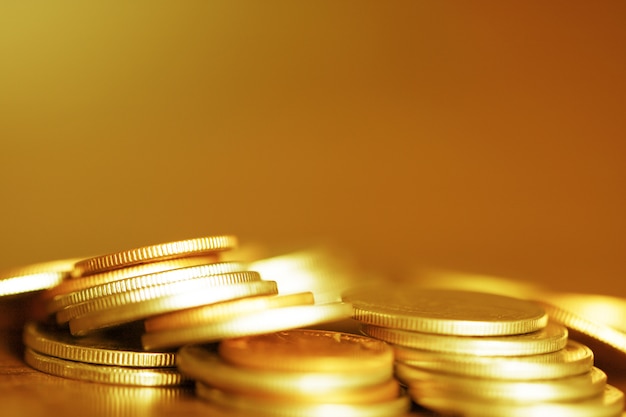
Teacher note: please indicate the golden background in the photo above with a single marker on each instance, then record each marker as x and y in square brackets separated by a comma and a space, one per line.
[486, 137]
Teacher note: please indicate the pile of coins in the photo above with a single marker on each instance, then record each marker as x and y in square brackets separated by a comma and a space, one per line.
[480, 354]
[297, 373]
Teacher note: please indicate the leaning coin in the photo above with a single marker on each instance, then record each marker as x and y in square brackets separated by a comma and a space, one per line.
[118, 375]
[549, 339]
[34, 277]
[107, 349]
[444, 311]
[267, 321]
[574, 359]
[154, 302]
[177, 249]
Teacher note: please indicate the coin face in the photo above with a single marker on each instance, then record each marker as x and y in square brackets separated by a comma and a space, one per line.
[170, 250]
[307, 350]
[444, 311]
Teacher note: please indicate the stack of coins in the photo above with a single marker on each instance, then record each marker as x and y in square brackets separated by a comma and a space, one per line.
[473, 353]
[297, 373]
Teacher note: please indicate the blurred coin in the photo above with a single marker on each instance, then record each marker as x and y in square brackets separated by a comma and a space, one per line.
[549, 339]
[120, 298]
[392, 408]
[570, 388]
[154, 300]
[603, 309]
[444, 311]
[201, 364]
[608, 404]
[118, 375]
[224, 311]
[223, 269]
[267, 321]
[119, 349]
[308, 350]
[574, 359]
[170, 250]
[34, 277]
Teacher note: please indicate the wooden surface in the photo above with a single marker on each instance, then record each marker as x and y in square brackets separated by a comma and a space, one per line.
[27, 392]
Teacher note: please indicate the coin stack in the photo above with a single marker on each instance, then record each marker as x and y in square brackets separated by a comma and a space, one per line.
[481, 354]
[297, 373]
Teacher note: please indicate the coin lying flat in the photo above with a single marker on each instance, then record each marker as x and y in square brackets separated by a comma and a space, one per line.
[34, 277]
[609, 404]
[267, 321]
[115, 349]
[574, 359]
[395, 407]
[120, 298]
[573, 388]
[223, 269]
[201, 364]
[308, 350]
[177, 249]
[118, 375]
[444, 311]
[155, 300]
[224, 311]
[549, 339]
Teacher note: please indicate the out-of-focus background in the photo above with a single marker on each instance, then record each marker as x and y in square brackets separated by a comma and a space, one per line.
[485, 137]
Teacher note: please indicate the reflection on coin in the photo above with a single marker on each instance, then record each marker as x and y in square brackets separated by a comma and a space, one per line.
[549, 339]
[609, 404]
[34, 277]
[80, 283]
[120, 350]
[573, 359]
[395, 407]
[118, 299]
[268, 321]
[224, 311]
[444, 311]
[308, 350]
[570, 388]
[118, 375]
[156, 300]
[603, 309]
[201, 364]
[225, 270]
[177, 249]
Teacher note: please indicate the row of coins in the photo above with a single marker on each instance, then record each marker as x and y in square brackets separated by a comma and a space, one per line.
[480, 354]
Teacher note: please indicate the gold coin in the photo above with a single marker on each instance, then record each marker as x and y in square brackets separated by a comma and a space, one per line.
[186, 295]
[117, 375]
[177, 249]
[148, 280]
[80, 283]
[224, 311]
[267, 321]
[255, 406]
[34, 277]
[603, 309]
[116, 299]
[549, 339]
[114, 349]
[444, 311]
[606, 335]
[307, 350]
[570, 388]
[574, 359]
[199, 363]
[609, 404]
